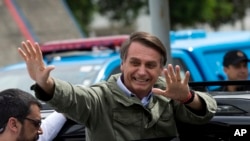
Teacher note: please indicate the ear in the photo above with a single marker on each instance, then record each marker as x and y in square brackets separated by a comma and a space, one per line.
[225, 69]
[13, 124]
[121, 67]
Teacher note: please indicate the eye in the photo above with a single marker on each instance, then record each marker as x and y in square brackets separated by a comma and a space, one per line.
[36, 123]
[135, 63]
[151, 65]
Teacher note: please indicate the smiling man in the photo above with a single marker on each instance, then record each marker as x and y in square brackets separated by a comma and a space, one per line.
[138, 103]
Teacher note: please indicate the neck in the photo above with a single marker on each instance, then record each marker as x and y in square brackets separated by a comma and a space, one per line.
[4, 137]
[232, 88]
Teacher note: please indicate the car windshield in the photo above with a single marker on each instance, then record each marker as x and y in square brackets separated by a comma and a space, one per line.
[75, 73]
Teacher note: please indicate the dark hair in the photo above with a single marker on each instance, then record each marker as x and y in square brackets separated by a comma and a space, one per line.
[15, 103]
[146, 39]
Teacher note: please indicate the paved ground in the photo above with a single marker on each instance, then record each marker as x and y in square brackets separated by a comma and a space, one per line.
[39, 20]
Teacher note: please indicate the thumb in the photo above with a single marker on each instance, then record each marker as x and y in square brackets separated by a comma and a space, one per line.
[158, 91]
[48, 70]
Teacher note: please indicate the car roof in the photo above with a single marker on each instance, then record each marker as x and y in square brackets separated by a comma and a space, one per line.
[211, 47]
[209, 39]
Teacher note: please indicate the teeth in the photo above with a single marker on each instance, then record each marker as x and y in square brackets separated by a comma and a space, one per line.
[141, 80]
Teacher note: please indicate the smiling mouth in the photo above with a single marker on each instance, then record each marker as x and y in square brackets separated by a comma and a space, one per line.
[141, 80]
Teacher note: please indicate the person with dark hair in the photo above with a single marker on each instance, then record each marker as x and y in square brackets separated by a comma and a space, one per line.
[20, 117]
[18, 107]
[235, 64]
[138, 103]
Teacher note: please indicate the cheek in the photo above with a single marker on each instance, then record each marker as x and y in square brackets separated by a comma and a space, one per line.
[125, 67]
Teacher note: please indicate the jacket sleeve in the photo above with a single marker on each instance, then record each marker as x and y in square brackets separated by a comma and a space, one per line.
[184, 114]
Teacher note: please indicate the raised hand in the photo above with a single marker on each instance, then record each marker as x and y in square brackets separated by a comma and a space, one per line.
[32, 55]
[177, 89]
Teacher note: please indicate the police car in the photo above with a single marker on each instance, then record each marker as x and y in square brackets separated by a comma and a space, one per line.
[202, 52]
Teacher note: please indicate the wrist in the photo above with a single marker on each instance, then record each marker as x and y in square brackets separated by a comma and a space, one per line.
[190, 98]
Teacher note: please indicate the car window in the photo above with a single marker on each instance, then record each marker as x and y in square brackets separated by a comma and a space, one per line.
[15, 79]
[77, 73]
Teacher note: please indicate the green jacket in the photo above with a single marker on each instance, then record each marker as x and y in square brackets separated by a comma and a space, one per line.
[109, 114]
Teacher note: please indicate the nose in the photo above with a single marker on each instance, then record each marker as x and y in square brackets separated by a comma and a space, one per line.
[142, 70]
[243, 69]
[40, 131]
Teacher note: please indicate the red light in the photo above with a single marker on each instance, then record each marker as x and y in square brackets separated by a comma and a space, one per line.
[83, 44]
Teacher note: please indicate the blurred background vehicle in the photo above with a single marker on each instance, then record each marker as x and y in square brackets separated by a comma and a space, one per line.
[87, 61]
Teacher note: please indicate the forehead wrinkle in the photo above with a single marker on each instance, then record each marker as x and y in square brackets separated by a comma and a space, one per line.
[137, 59]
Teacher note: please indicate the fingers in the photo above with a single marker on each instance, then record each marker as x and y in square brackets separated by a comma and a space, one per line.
[167, 77]
[176, 87]
[22, 50]
[23, 55]
[178, 73]
[174, 75]
[30, 50]
[186, 78]
[39, 52]
[26, 49]
[171, 73]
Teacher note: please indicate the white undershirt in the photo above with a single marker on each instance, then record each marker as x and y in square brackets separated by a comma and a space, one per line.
[51, 125]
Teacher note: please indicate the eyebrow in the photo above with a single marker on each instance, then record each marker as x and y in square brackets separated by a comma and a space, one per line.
[136, 59]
